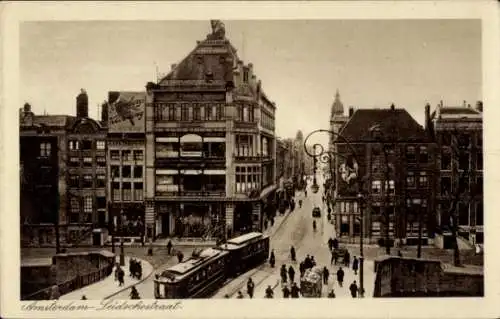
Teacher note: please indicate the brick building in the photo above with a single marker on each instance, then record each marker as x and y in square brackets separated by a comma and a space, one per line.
[210, 145]
[394, 163]
[63, 167]
[459, 135]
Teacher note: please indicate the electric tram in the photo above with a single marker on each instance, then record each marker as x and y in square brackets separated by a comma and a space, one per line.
[206, 271]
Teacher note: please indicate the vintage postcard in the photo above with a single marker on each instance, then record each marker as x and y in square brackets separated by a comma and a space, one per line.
[221, 159]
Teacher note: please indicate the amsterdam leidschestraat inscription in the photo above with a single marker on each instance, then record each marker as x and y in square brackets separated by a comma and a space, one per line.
[105, 305]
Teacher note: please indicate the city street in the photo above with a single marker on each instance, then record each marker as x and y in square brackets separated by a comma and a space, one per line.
[298, 231]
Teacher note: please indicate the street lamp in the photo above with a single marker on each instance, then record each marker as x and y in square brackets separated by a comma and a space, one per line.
[325, 156]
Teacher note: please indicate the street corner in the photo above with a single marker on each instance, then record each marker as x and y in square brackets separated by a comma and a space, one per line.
[147, 272]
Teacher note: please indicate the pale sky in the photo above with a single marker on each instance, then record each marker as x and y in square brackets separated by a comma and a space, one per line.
[301, 63]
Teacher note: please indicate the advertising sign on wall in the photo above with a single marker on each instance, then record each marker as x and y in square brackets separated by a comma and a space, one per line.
[126, 112]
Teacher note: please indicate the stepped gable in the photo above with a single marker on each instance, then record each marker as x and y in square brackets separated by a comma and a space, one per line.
[396, 122]
[212, 61]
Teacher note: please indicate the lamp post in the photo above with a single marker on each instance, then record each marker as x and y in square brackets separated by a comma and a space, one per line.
[325, 157]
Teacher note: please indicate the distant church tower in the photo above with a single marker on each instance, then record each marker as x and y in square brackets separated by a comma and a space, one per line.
[337, 121]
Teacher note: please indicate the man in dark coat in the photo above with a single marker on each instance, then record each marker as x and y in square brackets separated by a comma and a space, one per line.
[180, 256]
[326, 274]
[272, 259]
[335, 243]
[302, 269]
[340, 276]
[295, 291]
[347, 259]
[292, 253]
[330, 243]
[283, 273]
[169, 247]
[335, 257]
[286, 292]
[291, 273]
[355, 265]
[250, 287]
[354, 289]
[121, 275]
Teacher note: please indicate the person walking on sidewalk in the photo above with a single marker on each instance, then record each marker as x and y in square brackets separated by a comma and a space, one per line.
[283, 274]
[169, 247]
[331, 294]
[250, 287]
[295, 290]
[292, 254]
[286, 292]
[354, 289]
[272, 259]
[335, 243]
[240, 295]
[134, 294]
[340, 276]
[291, 273]
[335, 257]
[326, 274]
[121, 279]
[347, 259]
[355, 264]
[330, 243]
[302, 269]
[180, 256]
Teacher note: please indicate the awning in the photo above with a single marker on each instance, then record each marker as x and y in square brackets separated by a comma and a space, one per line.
[267, 190]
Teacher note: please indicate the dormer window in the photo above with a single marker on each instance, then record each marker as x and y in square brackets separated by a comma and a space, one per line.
[245, 75]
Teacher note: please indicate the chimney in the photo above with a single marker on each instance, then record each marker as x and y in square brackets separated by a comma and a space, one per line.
[27, 108]
[427, 115]
[393, 107]
[479, 106]
[104, 112]
[82, 104]
[351, 111]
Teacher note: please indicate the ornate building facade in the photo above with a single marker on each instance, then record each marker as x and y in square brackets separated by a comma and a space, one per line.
[210, 145]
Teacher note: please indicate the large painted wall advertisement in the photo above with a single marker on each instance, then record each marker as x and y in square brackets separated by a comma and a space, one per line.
[350, 172]
[127, 112]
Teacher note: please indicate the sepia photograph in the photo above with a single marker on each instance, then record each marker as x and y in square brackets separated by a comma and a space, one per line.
[225, 158]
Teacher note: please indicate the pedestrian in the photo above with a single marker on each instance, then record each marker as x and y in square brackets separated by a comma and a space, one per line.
[347, 259]
[240, 295]
[84, 297]
[354, 289]
[330, 243]
[331, 294]
[340, 276]
[116, 271]
[269, 292]
[272, 259]
[286, 292]
[121, 275]
[131, 267]
[335, 243]
[169, 247]
[283, 274]
[305, 193]
[302, 269]
[291, 273]
[134, 294]
[139, 270]
[335, 257]
[313, 262]
[355, 265]
[250, 287]
[295, 290]
[180, 256]
[226, 296]
[326, 274]
[307, 262]
[292, 254]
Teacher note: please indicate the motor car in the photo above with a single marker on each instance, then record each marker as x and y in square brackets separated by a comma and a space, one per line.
[316, 212]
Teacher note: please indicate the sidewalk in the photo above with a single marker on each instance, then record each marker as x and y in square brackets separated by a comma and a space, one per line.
[108, 287]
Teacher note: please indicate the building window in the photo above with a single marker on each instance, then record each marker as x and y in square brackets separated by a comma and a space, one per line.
[137, 171]
[220, 112]
[127, 155]
[463, 184]
[376, 187]
[410, 179]
[101, 145]
[446, 139]
[171, 113]
[101, 202]
[463, 140]
[244, 145]
[184, 113]
[86, 145]
[115, 171]
[74, 145]
[75, 210]
[479, 186]
[127, 192]
[87, 208]
[115, 190]
[480, 139]
[391, 189]
[126, 171]
[245, 75]
[446, 186]
[422, 180]
[45, 149]
[463, 161]
[74, 161]
[446, 161]
[138, 192]
[115, 155]
[196, 113]
[87, 181]
[101, 161]
[479, 214]
[167, 150]
[87, 161]
[138, 155]
[74, 181]
[410, 153]
[424, 156]
[479, 160]
[463, 214]
[101, 180]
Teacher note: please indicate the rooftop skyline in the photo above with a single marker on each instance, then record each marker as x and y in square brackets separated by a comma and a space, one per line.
[372, 63]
